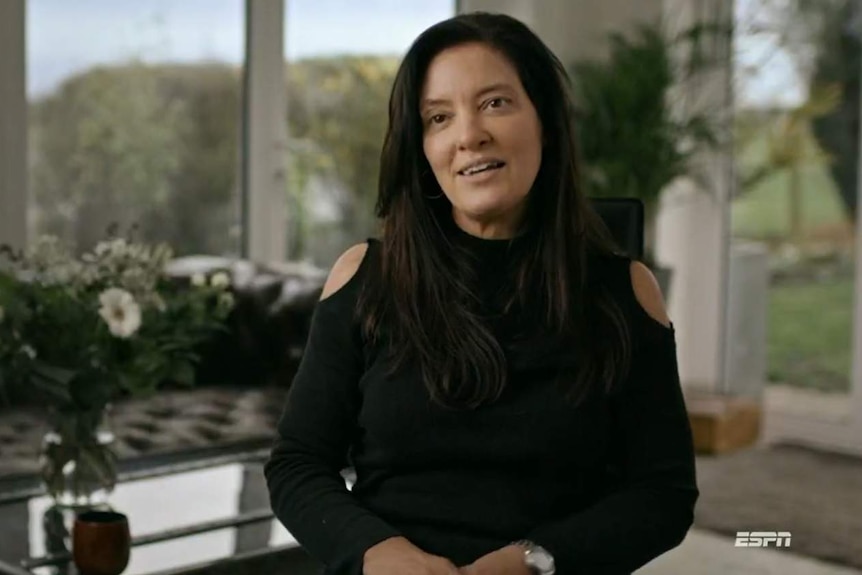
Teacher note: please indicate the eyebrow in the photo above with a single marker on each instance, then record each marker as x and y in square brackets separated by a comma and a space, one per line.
[500, 86]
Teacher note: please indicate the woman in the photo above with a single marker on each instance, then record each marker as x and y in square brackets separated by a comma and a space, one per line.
[503, 383]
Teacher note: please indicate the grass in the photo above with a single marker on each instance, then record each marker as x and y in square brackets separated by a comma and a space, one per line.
[764, 211]
[810, 332]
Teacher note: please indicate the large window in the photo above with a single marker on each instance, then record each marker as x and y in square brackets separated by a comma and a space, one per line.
[797, 123]
[134, 120]
[342, 57]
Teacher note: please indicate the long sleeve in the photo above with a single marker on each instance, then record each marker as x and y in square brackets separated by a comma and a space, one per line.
[319, 421]
[653, 507]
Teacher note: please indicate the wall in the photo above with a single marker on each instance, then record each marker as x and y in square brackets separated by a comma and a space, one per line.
[573, 29]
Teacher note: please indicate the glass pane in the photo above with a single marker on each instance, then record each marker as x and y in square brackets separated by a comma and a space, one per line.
[797, 122]
[232, 485]
[134, 119]
[342, 57]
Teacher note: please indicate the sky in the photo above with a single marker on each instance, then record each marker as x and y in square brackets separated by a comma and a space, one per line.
[777, 81]
[64, 36]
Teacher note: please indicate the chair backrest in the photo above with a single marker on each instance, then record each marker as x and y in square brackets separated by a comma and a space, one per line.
[624, 218]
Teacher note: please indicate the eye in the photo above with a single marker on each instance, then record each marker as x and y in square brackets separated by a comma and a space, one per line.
[436, 119]
[497, 102]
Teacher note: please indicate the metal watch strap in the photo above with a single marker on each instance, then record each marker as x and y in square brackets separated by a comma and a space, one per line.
[531, 548]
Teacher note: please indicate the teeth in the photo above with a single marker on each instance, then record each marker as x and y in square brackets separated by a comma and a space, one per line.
[480, 167]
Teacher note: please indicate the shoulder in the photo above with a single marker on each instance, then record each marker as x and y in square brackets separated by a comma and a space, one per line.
[635, 286]
[648, 293]
[344, 269]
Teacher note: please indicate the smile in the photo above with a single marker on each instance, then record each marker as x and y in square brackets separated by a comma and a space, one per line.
[481, 167]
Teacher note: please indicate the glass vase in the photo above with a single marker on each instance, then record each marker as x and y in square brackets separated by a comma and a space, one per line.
[78, 462]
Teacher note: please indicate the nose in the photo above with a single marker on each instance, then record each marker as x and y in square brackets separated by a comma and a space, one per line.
[471, 132]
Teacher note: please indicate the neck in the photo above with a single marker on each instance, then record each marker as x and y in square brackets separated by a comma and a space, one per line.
[491, 229]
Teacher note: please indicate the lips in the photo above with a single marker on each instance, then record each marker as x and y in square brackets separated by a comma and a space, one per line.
[480, 166]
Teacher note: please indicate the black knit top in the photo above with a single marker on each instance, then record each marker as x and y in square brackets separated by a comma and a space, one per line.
[605, 486]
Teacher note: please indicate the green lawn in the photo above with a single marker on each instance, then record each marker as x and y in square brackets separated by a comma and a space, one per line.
[764, 211]
[810, 333]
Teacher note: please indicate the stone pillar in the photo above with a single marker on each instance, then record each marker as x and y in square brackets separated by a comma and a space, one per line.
[13, 125]
[693, 228]
[264, 133]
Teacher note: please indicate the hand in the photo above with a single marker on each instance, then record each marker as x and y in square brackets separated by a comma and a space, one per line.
[508, 560]
[397, 556]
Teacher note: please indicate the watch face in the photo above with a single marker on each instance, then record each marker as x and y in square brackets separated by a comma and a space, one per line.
[540, 559]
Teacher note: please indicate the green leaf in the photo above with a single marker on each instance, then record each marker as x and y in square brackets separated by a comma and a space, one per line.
[52, 382]
[184, 374]
[59, 375]
[4, 392]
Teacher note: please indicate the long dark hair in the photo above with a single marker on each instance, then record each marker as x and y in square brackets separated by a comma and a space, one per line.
[416, 302]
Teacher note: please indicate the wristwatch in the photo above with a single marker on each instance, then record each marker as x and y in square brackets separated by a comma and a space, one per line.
[538, 559]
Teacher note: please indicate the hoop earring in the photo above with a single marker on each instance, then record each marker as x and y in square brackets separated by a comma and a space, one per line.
[425, 173]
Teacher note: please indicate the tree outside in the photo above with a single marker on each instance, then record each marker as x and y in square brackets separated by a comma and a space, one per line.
[136, 145]
[337, 116]
[158, 147]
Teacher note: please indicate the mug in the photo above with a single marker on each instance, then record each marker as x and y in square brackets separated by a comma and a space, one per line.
[101, 542]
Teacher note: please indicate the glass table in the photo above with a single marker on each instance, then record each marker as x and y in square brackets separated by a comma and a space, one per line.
[204, 512]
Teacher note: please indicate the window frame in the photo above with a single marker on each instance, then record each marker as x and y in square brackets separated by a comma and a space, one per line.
[261, 163]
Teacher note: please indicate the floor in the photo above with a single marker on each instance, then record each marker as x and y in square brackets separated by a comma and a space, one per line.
[705, 553]
[807, 402]
[702, 552]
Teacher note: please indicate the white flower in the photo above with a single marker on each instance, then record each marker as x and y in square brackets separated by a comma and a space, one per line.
[119, 247]
[138, 252]
[199, 280]
[226, 301]
[220, 280]
[159, 302]
[28, 351]
[115, 247]
[63, 273]
[120, 311]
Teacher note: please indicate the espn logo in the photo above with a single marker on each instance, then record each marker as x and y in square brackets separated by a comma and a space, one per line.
[762, 538]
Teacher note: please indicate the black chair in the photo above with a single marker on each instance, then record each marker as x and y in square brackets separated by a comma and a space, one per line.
[624, 218]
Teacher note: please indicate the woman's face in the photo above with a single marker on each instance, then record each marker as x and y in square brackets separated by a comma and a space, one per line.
[481, 136]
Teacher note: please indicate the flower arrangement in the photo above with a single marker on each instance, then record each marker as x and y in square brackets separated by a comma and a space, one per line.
[84, 331]
[80, 332]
